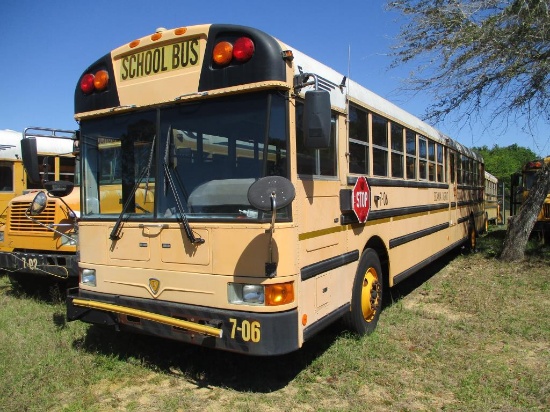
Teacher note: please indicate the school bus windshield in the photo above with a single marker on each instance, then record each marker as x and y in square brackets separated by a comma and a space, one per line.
[203, 155]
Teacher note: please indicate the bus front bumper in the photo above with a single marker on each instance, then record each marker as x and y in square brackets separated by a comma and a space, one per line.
[243, 332]
[44, 264]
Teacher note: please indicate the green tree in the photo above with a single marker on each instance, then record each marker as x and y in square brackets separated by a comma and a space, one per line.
[472, 55]
[501, 162]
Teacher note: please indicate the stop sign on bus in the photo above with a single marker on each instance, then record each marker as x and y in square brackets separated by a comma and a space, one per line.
[360, 199]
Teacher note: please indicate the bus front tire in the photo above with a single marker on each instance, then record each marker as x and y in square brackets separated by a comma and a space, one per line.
[367, 293]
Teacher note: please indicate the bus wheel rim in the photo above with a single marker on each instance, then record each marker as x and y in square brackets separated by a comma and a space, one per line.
[370, 294]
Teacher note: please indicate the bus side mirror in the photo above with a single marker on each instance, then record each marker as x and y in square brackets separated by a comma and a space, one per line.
[30, 159]
[59, 188]
[271, 193]
[317, 119]
[38, 204]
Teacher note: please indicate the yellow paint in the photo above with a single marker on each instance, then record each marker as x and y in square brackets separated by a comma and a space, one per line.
[167, 320]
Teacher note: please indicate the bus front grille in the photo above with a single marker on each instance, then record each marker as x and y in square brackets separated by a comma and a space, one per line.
[21, 223]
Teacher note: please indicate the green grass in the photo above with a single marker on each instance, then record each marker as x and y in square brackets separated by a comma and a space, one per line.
[469, 333]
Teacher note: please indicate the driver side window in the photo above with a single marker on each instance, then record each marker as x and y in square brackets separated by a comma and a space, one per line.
[315, 162]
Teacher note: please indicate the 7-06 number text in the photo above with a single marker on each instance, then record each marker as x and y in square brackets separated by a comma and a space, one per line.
[249, 331]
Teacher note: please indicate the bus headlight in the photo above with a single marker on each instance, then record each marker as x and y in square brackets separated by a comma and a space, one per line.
[1, 236]
[87, 277]
[253, 294]
[243, 294]
[265, 295]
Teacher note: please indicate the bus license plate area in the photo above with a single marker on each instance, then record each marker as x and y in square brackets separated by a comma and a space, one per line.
[40, 264]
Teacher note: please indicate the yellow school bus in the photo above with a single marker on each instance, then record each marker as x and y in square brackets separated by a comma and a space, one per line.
[42, 244]
[240, 195]
[522, 183]
[492, 206]
[13, 180]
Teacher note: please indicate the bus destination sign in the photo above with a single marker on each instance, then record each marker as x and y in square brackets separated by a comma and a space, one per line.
[162, 59]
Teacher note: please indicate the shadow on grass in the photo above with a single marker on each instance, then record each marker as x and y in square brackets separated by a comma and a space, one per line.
[206, 367]
[417, 279]
[44, 289]
[491, 244]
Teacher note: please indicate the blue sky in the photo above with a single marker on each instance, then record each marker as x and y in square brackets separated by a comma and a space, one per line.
[46, 45]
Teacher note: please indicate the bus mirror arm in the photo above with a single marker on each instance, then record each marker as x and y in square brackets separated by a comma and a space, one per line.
[270, 194]
[271, 266]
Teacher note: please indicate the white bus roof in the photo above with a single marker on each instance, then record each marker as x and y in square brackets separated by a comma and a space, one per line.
[490, 177]
[10, 145]
[341, 88]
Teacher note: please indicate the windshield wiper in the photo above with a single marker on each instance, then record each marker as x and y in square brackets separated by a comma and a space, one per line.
[115, 233]
[181, 216]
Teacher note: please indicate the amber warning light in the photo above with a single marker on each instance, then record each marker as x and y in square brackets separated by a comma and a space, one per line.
[240, 51]
[534, 165]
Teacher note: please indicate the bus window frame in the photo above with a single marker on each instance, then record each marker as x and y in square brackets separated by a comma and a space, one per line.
[316, 155]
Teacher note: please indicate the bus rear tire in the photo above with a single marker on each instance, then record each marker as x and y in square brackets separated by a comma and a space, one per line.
[367, 294]
[472, 236]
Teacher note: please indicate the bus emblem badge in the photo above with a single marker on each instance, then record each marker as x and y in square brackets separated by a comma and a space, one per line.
[154, 285]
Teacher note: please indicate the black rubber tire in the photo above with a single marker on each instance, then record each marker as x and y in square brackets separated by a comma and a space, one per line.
[367, 295]
[472, 235]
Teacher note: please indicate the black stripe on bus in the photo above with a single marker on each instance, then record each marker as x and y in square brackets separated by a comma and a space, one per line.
[411, 271]
[347, 218]
[469, 187]
[401, 240]
[323, 266]
[464, 203]
[382, 182]
[466, 218]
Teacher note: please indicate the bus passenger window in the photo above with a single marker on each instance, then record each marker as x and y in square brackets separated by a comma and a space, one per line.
[440, 170]
[465, 170]
[379, 145]
[411, 154]
[358, 141]
[66, 169]
[396, 150]
[6, 178]
[452, 166]
[423, 158]
[431, 161]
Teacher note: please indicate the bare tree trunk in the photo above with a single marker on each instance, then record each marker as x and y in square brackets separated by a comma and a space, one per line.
[520, 227]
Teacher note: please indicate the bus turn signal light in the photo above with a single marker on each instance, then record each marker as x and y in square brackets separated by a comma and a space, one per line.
[101, 79]
[240, 51]
[223, 52]
[279, 294]
[98, 82]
